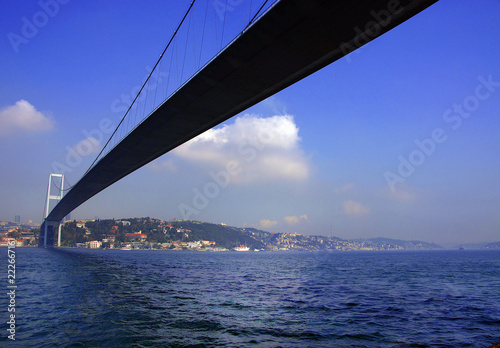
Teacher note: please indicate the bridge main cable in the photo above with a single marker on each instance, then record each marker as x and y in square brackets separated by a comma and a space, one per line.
[142, 87]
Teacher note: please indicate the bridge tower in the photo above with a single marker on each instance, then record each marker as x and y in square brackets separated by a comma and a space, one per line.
[49, 225]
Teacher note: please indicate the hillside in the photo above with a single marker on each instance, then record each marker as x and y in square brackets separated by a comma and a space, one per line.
[147, 233]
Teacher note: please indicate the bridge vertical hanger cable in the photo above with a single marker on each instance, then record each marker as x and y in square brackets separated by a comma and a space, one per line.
[194, 44]
[144, 84]
[215, 22]
[121, 125]
[145, 101]
[45, 205]
[185, 49]
[169, 72]
[250, 11]
[243, 13]
[223, 26]
[256, 14]
[67, 182]
[57, 187]
[168, 69]
[133, 114]
[158, 81]
[203, 35]
[176, 44]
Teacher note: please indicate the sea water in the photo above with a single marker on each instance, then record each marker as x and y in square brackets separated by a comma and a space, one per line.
[116, 298]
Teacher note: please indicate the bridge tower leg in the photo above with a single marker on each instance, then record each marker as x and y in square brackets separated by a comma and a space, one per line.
[50, 197]
[59, 235]
[45, 233]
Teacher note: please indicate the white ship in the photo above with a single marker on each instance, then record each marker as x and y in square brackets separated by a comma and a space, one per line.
[242, 248]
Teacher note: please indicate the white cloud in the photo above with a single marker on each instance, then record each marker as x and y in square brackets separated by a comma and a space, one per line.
[293, 220]
[354, 208]
[266, 149]
[264, 223]
[276, 105]
[23, 116]
[345, 188]
[161, 165]
[402, 193]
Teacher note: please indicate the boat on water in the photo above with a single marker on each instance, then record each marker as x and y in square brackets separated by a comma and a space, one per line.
[242, 248]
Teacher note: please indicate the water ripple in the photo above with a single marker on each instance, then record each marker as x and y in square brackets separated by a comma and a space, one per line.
[86, 298]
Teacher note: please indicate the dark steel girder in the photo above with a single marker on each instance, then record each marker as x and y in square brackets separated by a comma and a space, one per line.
[294, 39]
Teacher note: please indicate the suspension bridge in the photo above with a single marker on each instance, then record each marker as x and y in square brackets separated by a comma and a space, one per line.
[280, 44]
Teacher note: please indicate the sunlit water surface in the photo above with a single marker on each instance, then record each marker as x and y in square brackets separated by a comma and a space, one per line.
[115, 298]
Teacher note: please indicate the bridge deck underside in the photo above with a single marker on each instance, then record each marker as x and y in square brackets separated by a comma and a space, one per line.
[292, 40]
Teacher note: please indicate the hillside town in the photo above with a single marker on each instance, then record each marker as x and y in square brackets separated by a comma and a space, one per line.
[177, 234]
[157, 234]
[22, 234]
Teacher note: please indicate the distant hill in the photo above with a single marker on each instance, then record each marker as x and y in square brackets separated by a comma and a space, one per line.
[404, 244]
[474, 246]
[495, 245]
[258, 239]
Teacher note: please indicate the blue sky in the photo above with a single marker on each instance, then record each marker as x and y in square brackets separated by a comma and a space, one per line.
[399, 139]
